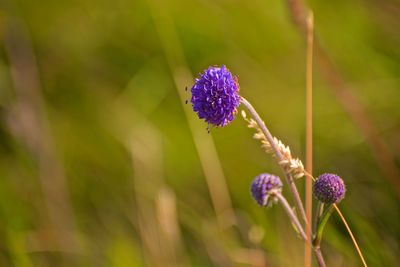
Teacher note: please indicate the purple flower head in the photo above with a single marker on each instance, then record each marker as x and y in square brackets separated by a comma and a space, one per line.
[264, 187]
[215, 96]
[329, 188]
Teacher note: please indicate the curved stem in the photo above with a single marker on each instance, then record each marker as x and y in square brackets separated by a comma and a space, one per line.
[295, 221]
[292, 216]
[351, 235]
[318, 214]
[290, 181]
[279, 156]
[321, 225]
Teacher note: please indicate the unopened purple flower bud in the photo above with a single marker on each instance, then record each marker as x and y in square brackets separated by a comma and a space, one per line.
[329, 188]
[264, 189]
[215, 96]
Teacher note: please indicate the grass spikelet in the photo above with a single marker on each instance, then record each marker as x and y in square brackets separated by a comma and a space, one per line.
[290, 164]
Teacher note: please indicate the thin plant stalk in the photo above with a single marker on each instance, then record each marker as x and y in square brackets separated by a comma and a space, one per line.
[309, 126]
[352, 106]
[320, 258]
[321, 225]
[291, 215]
[351, 235]
[349, 101]
[290, 181]
[295, 221]
[279, 156]
[318, 213]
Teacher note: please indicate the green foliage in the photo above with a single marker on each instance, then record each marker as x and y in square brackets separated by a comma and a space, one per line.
[87, 187]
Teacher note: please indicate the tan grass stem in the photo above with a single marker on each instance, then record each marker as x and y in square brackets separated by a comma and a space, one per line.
[309, 134]
[349, 101]
[352, 106]
[351, 235]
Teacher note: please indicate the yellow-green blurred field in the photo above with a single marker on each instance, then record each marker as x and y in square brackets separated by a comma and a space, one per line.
[103, 164]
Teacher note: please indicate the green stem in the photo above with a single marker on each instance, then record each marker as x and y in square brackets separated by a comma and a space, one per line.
[318, 213]
[321, 225]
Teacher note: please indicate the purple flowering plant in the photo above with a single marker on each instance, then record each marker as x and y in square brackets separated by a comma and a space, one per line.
[264, 189]
[215, 96]
[329, 188]
[215, 99]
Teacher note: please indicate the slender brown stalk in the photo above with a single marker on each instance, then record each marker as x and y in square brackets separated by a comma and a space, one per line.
[352, 106]
[309, 123]
[279, 156]
[351, 235]
[349, 101]
[320, 258]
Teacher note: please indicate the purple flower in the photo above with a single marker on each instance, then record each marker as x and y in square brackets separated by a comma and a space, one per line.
[264, 187]
[329, 188]
[215, 96]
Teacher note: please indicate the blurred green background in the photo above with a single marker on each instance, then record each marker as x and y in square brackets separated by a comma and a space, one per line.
[103, 164]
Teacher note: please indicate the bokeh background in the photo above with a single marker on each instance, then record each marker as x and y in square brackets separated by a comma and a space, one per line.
[103, 164]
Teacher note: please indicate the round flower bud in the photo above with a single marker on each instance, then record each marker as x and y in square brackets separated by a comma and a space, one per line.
[215, 96]
[329, 188]
[264, 188]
